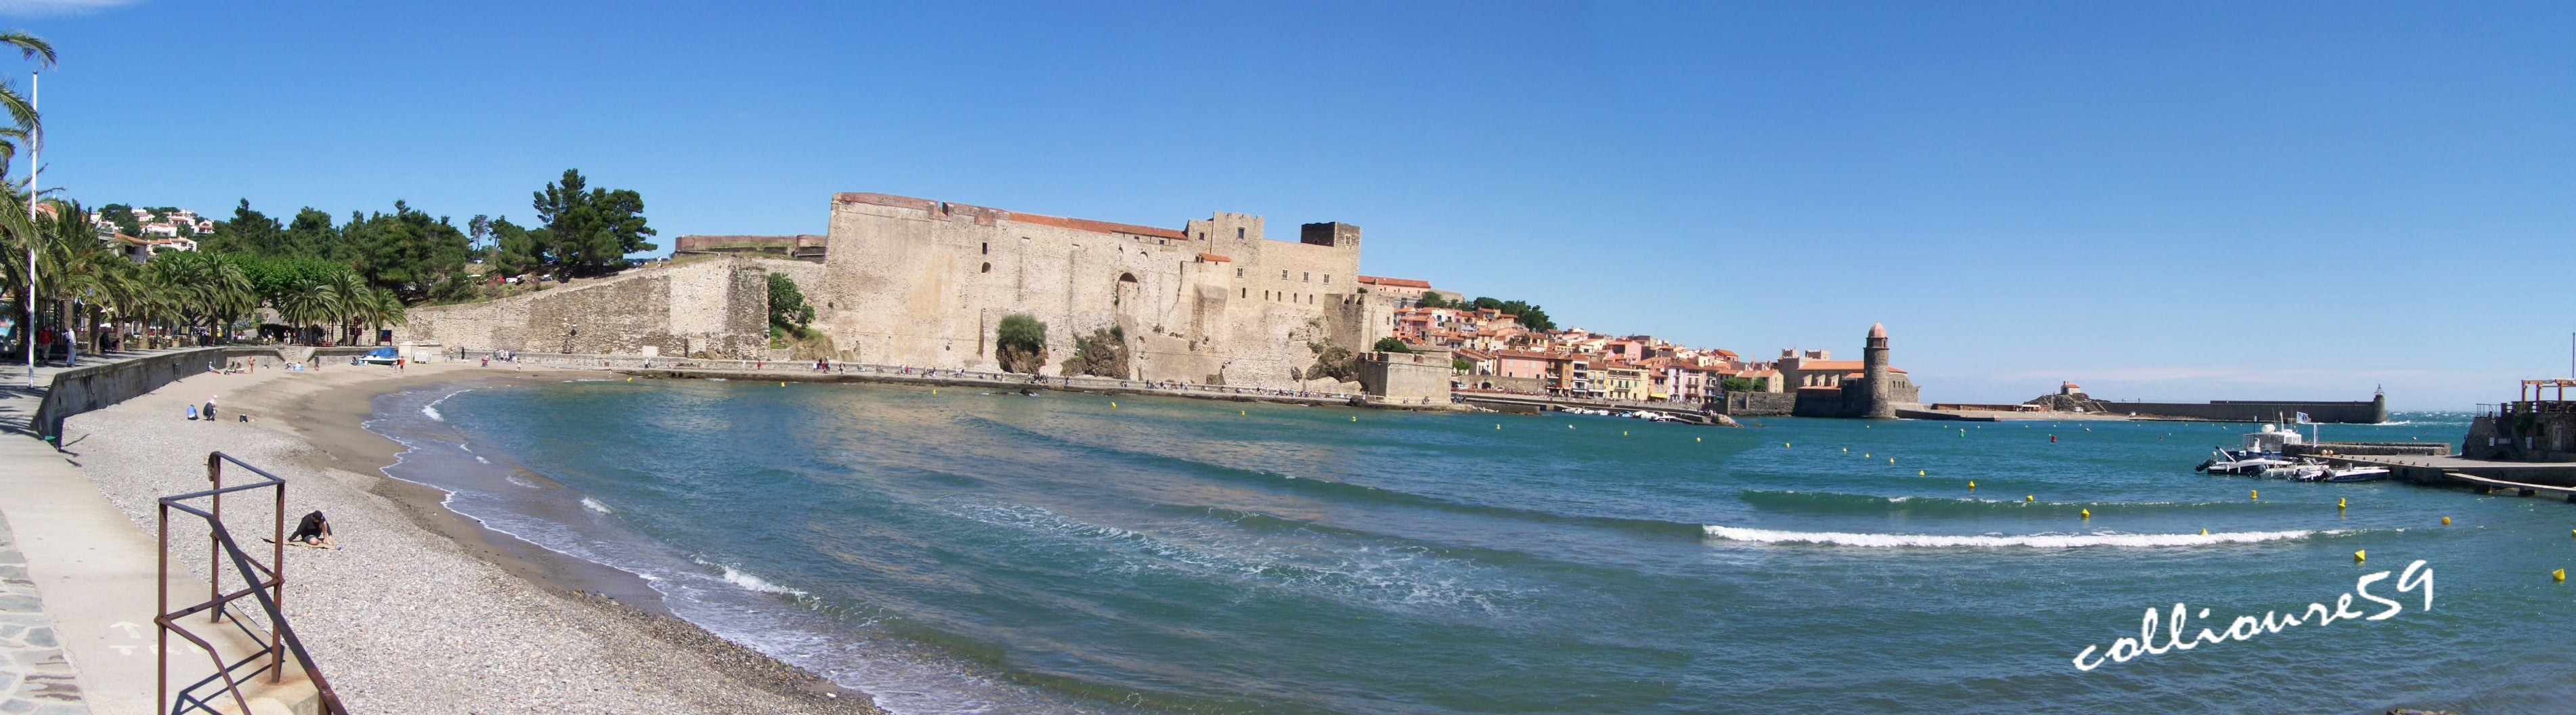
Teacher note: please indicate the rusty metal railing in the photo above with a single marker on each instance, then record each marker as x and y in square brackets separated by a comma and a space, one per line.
[263, 583]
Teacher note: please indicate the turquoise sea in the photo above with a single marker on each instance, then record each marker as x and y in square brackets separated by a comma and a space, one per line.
[973, 551]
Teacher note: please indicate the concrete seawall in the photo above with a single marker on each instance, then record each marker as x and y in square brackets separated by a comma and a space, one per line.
[84, 389]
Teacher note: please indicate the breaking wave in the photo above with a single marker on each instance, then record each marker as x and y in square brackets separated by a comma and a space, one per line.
[2042, 541]
[594, 505]
[1797, 502]
[747, 581]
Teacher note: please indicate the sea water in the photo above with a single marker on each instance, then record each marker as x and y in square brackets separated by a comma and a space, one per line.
[981, 551]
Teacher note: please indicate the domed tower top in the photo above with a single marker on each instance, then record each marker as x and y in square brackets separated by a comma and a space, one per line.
[1878, 330]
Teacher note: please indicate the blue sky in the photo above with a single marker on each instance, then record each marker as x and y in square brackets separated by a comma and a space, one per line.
[2158, 201]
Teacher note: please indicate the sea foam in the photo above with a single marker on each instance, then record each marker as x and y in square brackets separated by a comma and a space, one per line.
[749, 582]
[2043, 541]
[594, 505]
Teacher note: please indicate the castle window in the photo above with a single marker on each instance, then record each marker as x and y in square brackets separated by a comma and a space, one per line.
[1202, 235]
[988, 248]
[1238, 273]
[1310, 277]
[1238, 233]
[1328, 279]
[1283, 274]
[988, 268]
[1247, 292]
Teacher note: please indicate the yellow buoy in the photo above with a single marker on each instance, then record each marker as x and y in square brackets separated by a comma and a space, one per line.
[2204, 532]
[630, 379]
[1891, 460]
[1920, 472]
[935, 391]
[1972, 484]
[1694, 439]
[2255, 494]
[1355, 418]
[779, 384]
[2340, 503]
[1498, 426]
[2558, 575]
[1846, 450]
[1864, 455]
[2088, 513]
[2359, 556]
[2030, 498]
[1113, 405]
[2446, 521]
[1783, 445]
[1623, 433]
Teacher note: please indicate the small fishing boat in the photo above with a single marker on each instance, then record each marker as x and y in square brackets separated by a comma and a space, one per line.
[2356, 474]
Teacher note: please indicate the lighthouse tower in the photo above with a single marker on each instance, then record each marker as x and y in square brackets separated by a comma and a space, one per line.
[1873, 370]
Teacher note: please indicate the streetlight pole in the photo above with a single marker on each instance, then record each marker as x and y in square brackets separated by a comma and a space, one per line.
[35, 166]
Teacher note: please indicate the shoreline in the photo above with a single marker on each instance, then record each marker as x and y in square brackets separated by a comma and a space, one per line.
[496, 612]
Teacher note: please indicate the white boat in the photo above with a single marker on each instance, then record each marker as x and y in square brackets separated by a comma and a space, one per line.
[2301, 471]
[2261, 450]
[2356, 474]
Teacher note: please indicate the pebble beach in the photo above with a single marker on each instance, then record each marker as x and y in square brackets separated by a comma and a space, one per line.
[419, 610]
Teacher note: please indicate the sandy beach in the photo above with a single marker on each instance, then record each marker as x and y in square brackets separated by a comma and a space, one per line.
[421, 610]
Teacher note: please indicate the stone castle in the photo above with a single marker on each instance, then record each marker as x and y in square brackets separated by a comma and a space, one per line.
[925, 283]
[919, 282]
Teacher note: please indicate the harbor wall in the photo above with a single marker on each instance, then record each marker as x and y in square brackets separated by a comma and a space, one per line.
[1756, 404]
[2363, 413]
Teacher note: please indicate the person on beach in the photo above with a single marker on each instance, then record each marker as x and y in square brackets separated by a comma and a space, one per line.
[192, 413]
[314, 530]
[210, 408]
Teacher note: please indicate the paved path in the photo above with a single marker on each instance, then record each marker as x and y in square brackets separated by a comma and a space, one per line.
[70, 562]
[35, 677]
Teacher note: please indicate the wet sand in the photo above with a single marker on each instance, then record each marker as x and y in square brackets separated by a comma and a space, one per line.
[423, 610]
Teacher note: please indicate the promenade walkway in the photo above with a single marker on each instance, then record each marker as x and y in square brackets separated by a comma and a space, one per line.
[76, 578]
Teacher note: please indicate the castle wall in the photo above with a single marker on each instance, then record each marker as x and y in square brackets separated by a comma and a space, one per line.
[1412, 378]
[718, 306]
[926, 283]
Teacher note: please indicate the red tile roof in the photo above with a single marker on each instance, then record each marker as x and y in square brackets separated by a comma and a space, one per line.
[1395, 282]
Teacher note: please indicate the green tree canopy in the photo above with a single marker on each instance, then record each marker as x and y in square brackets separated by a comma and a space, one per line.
[589, 232]
[787, 308]
[1392, 345]
[1531, 315]
[1020, 343]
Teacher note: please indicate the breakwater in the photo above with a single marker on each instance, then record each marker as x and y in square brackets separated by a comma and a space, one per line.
[2371, 412]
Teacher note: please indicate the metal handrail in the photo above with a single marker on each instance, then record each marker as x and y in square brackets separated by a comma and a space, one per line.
[265, 583]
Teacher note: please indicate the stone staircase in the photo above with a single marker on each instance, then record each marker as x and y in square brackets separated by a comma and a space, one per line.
[295, 353]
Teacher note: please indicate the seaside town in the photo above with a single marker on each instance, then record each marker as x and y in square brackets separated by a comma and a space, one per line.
[820, 431]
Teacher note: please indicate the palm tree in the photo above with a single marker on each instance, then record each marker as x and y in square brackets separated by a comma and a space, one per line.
[22, 113]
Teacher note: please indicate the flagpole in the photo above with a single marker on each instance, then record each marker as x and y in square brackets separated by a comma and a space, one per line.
[35, 166]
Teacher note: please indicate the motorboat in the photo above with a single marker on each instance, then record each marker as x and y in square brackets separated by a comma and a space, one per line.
[2300, 471]
[2261, 450]
[2356, 474]
[2241, 464]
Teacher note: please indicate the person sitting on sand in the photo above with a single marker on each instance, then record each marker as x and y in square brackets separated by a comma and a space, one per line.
[314, 530]
[210, 407]
[192, 413]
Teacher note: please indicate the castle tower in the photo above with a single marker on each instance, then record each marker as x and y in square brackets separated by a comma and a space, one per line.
[1873, 370]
